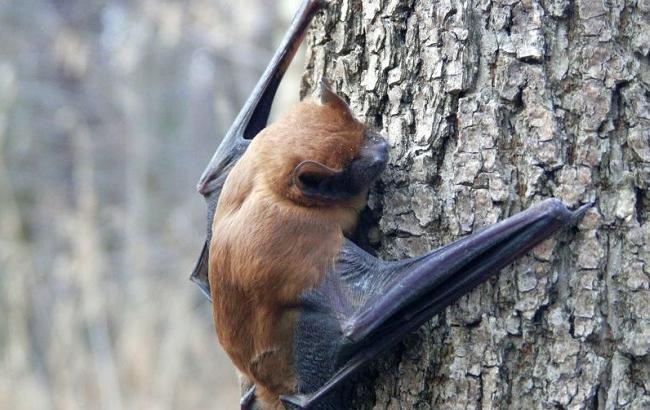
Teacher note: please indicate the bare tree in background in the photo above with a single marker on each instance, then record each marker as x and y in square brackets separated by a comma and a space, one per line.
[109, 111]
[491, 106]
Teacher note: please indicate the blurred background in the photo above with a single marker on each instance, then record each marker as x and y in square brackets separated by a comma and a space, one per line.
[109, 111]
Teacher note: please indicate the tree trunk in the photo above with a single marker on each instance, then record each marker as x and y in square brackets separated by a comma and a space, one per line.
[489, 107]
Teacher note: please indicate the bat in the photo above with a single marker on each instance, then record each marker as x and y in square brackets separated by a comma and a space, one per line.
[298, 307]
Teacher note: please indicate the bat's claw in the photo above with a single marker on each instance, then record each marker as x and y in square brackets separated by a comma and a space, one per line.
[248, 399]
[578, 213]
[296, 401]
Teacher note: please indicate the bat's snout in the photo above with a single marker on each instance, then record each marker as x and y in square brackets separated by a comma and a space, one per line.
[376, 150]
[372, 160]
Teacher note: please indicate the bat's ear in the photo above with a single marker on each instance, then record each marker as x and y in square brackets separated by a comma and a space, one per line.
[318, 181]
[328, 97]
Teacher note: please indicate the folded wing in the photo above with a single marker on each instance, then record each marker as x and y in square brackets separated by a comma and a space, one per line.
[377, 303]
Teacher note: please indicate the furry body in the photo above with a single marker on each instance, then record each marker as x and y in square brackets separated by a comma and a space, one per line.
[272, 243]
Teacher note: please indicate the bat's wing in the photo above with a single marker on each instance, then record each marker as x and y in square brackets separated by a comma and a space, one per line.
[200, 272]
[377, 303]
[251, 120]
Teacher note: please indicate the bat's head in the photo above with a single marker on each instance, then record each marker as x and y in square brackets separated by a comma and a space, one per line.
[318, 154]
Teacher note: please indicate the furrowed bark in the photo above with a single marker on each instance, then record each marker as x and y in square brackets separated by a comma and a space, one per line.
[489, 107]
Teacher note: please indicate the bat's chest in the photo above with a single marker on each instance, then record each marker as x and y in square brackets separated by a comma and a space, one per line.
[258, 340]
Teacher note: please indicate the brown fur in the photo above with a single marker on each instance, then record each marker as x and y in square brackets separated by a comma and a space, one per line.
[271, 243]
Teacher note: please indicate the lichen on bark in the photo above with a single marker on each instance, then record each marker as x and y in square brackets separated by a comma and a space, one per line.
[489, 107]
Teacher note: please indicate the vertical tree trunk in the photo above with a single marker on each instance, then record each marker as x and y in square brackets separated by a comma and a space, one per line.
[489, 107]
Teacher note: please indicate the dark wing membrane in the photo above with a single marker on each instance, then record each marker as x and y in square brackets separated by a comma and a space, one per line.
[460, 265]
[392, 299]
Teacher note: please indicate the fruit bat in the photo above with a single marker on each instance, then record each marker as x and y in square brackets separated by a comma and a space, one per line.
[297, 306]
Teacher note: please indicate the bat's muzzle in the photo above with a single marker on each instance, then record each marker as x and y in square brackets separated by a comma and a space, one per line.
[375, 150]
[371, 162]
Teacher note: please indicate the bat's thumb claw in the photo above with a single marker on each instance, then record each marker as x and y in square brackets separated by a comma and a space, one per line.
[296, 401]
[578, 213]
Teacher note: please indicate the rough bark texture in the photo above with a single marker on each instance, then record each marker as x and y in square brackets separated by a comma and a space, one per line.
[489, 107]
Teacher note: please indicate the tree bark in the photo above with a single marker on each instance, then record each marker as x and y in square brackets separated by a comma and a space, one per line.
[489, 107]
